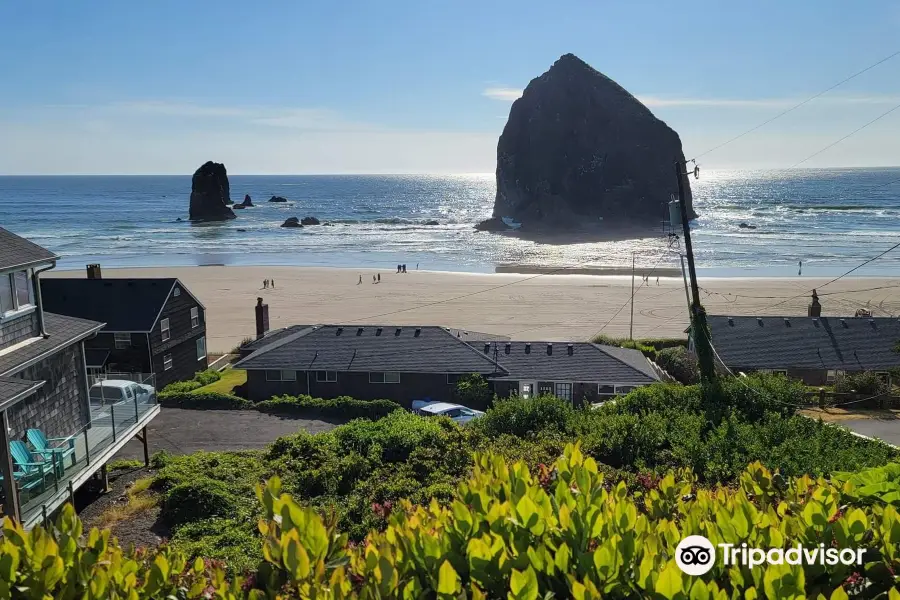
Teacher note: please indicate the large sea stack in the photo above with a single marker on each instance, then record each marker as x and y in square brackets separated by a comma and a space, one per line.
[210, 194]
[578, 149]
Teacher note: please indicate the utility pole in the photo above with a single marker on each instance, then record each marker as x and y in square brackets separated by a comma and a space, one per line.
[631, 326]
[699, 328]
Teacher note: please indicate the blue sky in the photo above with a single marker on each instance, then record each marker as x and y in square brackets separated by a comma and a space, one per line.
[313, 87]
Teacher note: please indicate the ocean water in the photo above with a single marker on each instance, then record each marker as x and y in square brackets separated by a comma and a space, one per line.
[830, 219]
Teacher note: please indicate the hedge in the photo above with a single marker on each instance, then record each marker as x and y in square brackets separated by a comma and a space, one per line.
[203, 400]
[342, 407]
[507, 532]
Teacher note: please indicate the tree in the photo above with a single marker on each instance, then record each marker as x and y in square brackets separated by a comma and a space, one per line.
[473, 391]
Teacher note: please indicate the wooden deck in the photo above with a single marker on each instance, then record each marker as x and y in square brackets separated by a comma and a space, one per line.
[111, 427]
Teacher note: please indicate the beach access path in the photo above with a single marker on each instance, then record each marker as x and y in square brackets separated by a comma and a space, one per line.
[557, 307]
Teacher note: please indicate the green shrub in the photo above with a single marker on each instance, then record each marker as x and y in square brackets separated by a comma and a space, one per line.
[343, 407]
[181, 387]
[198, 499]
[680, 364]
[203, 400]
[863, 382]
[207, 377]
[522, 417]
[236, 542]
[473, 391]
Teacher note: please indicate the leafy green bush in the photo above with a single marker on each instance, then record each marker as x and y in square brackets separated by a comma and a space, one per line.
[680, 364]
[207, 377]
[204, 400]
[233, 541]
[342, 407]
[181, 387]
[473, 391]
[523, 417]
[863, 382]
[198, 499]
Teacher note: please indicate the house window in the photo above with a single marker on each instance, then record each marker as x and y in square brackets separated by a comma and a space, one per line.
[167, 362]
[177, 291]
[545, 389]
[201, 347]
[326, 376]
[281, 375]
[780, 372]
[16, 292]
[606, 390]
[123, 340]
[832, 374]
[525, 390]
[164, 330]
[384, 377]
[195, 317]
[564, 391]
[624, 389]
[452, 379]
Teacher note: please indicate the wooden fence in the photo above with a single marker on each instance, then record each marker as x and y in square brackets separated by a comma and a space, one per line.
[824, 398]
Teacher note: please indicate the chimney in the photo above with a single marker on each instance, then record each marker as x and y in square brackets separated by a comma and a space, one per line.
[508, 348]
[815, 309]
[262, 317]
[487, 348]
[570, 349]
[93, 272]
[549, 349]
[528, 348]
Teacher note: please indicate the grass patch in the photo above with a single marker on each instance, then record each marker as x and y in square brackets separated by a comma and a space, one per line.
[129, 464]
[231, 378]
[140, 499]
[836, 415]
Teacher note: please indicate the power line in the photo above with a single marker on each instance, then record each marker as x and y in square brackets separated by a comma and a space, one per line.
[796, 106]
[855, 131]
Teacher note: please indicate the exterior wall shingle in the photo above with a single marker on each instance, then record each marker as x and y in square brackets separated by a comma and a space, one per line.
[14, 331]
[60, 408]
[182, 344]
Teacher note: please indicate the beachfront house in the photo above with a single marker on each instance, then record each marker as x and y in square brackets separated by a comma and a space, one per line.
[52, 438]
[815, 349]
[404, 364]
[580, 372]
[155, 328]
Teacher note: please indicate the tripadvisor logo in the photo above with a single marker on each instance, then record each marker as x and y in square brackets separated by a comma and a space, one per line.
[695, 555]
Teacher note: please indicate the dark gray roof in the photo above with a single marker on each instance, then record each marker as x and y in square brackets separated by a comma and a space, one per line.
[373, 349]
[13, 390]
[62, 331]
[587, 363]
[123, 304]
[478, 336]
[273, 336]
[16, 251]
[849, 344]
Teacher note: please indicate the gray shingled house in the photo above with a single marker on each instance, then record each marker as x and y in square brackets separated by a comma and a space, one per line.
[405, 363]
[44, 395]
[154, 326]
[813, 349]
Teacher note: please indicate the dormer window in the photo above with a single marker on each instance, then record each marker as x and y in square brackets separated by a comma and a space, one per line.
[16, 292]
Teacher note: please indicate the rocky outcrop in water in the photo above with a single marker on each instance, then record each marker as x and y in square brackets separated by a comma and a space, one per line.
[247, 200]
[310, 221]
[210, 194]
[578, 149]
[277, 199]
[292, 222]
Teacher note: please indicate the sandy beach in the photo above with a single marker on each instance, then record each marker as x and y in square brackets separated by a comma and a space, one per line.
[523, 306]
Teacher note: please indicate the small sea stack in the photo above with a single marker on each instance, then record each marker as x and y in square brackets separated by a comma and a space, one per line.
[210, 194]
[579, 151]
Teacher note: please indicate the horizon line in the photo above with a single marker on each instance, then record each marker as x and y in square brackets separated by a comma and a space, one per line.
[419, 174]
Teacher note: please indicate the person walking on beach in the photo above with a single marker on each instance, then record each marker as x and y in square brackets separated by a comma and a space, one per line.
[265, 284]
[272, 282]
[379, 278]
[360, 280]
[373, 279]
[417, 266]
[657, 281]
[800, 268]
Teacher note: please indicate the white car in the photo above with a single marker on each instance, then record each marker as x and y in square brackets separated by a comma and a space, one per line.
[456, 412]
[117, 391]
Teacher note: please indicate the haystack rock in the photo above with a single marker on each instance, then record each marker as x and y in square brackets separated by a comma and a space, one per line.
[578, 150]
[247, 200]
[210, 194]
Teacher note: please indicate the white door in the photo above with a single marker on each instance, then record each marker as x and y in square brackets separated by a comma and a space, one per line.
[527, 389]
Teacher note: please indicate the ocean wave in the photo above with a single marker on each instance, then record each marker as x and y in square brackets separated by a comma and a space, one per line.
[834, 207]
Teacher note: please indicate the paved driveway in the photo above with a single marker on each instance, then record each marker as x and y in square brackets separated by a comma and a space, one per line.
[884, 429]
[181, 431]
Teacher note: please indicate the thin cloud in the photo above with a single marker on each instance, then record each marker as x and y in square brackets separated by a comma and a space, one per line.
[506, 94]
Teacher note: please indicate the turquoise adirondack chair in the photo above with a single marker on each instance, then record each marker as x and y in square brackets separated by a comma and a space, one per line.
[33, 471]
[61, 447]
